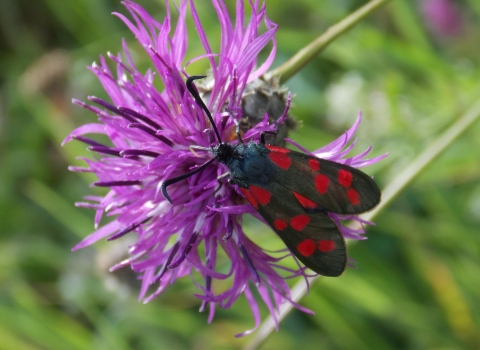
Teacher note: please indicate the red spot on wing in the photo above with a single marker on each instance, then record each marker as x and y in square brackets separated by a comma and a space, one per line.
[304, 201]
[345, 178]
[314, 164]
[306, 247]
[299, 222]
[278, 149]
[249, 197]
[353, 196]
[321, 183]
[280, 224]
[326, 246]
[260, 194]
[280, 159]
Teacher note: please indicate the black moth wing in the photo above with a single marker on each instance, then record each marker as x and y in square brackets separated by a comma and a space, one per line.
[336, 187]
[311, 235]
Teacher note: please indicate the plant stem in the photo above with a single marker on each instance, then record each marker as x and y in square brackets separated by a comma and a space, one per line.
[309, 52]
[424, 159]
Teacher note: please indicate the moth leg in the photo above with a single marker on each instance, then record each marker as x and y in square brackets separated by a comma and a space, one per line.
[192, 149]
[237, 131]
[219, 178]
[262, 135]
[237, 126]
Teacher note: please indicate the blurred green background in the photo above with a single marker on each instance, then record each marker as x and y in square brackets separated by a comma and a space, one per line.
[417, 285]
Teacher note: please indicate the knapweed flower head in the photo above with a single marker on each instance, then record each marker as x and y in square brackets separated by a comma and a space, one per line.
[156, 135]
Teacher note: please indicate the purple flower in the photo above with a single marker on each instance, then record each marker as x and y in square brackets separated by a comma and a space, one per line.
[152, 133]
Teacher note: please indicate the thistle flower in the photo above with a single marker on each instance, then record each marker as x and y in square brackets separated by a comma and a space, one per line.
[151, 134]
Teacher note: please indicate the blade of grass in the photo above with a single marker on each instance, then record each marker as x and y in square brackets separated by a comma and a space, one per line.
[11, 340]
[62, 210]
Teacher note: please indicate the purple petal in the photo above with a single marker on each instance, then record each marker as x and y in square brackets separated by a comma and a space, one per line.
[101, 233]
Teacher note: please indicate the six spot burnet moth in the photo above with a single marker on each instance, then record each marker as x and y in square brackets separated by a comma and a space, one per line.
[294, 192]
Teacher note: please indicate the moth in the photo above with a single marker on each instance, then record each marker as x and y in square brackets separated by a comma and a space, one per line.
[294, 192]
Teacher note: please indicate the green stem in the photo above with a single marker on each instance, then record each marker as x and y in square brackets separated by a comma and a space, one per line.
[309, 52]
[423, 160]
[391, 191]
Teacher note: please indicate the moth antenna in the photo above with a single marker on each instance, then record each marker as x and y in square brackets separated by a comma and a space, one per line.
[169, 182]
[196, 96]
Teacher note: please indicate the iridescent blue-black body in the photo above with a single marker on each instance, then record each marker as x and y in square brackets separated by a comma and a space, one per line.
[248, 163]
